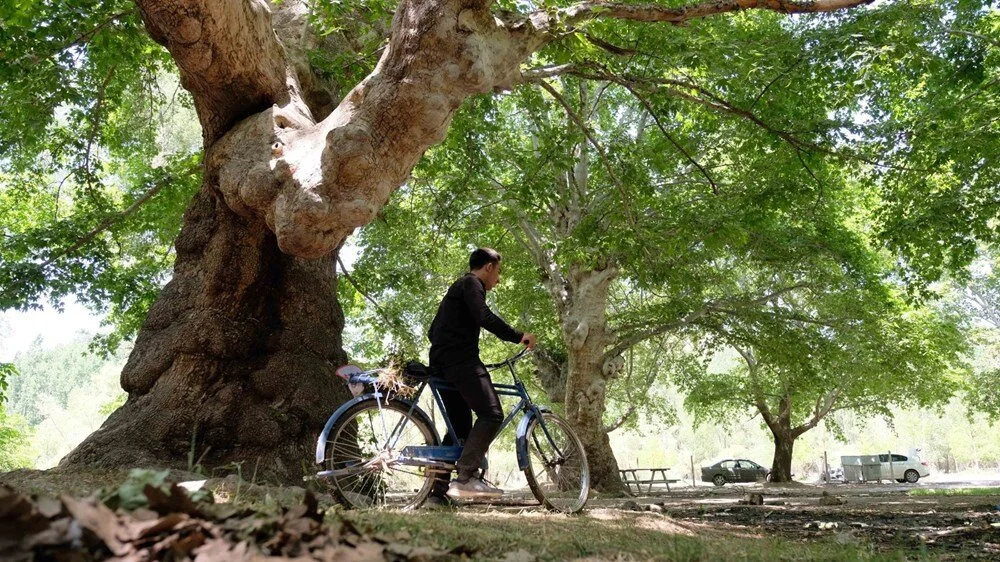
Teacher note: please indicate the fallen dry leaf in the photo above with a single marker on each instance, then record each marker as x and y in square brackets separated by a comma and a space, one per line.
[221, 550]
[49, 507]
[98, 519]
[141, 529]
[177, 528]
[175, 502]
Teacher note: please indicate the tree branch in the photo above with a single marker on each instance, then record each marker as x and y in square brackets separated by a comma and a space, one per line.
[633, 402]
[609, 47]
[677, 89]
[347, 275]
[656, 13]
[789, 317]
[553, 278]
[593, 141]
[538, 73]
[641, 335]
[623, 344]
[819, 412]
[775, 79]
[713, 102]
[227, 53]
[748, 357]
[107, 223]
[621, 421]
[767, 416]
[980, 36]
[91, 33]
[95, 128]
[719, 104]
[759, 399]
[663, 130]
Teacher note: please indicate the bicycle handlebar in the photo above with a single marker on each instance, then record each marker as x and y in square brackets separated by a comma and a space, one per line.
[510, 360]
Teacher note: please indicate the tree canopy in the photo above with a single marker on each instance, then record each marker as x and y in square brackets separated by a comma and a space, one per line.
[98, 159]
[95, 185]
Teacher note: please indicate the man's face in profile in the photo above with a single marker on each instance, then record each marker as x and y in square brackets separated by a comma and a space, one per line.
[492, 275]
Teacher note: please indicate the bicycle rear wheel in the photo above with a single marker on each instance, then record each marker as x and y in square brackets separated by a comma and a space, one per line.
[557, 472]
[368, 440]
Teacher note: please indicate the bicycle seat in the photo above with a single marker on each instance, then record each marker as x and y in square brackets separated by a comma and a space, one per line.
[418, 371]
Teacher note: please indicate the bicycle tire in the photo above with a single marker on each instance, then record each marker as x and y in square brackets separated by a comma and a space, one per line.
[559, 480]
[354, 441]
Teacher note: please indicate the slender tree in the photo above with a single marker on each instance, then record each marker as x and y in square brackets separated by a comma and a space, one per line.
[836, 345]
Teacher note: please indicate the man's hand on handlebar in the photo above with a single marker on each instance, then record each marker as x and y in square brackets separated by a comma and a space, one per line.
[528, 340]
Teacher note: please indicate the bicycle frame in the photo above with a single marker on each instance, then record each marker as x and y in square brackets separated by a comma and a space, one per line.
[436, 456]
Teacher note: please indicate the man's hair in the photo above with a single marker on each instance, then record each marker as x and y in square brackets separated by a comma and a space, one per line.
[483, 256]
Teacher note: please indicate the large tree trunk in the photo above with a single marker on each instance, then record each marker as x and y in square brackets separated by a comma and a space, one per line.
[780, 424]
[235, 360]
[581, 299]
[781, 465]
[585, 331]
[779, 421]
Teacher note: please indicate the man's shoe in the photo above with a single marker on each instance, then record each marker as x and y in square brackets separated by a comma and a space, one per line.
[438, 502]
[473, 488]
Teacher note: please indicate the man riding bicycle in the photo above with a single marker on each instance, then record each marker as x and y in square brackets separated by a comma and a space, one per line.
[454, 336]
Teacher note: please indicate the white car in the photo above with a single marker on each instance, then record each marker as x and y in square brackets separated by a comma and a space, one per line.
[903, 468]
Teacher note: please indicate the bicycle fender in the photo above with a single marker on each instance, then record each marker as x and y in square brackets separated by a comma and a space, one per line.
[321, 442]
[521, 438]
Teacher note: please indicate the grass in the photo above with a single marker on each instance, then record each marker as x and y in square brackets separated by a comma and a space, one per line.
[598, 535]
[523, 534]
[955, 492]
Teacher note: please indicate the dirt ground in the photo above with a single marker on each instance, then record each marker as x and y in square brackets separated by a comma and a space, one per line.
[879, 518]
[950, 527]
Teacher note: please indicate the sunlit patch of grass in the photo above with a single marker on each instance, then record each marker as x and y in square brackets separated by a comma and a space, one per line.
[597, 536]
[955, 492]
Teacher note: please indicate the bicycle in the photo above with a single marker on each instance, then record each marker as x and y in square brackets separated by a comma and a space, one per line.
[382, 450]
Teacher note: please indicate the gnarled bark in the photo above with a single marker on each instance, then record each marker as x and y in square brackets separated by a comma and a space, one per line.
[235, 360]
[551, 371]
[314, 182]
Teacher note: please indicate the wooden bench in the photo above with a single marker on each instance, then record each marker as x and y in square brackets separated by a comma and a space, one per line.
[656, 476]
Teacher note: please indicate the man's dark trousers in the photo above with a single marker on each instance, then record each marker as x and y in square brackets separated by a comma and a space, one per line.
[474, 393]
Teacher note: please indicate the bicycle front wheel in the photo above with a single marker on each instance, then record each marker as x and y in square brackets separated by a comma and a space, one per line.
[557, 472]
[363, 452]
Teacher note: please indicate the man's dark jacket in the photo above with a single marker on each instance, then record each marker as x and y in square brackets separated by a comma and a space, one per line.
[454, 333]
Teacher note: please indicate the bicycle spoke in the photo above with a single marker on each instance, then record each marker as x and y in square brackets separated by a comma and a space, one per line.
[538, 447]
[411, 472]
[379, 481]
[557, 471]
[400, 426]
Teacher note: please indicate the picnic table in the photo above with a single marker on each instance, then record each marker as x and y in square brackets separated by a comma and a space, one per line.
[638, 478]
